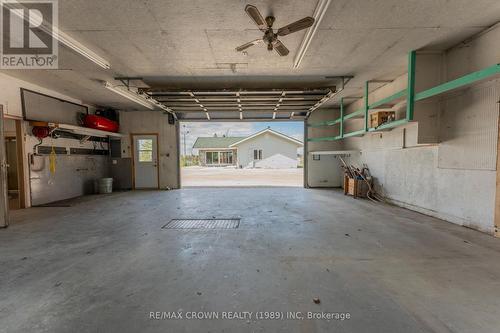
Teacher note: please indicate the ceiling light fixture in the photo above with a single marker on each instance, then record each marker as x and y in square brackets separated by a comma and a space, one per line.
[78, 47]
[129, 95]
[319, 13]
[60, 36]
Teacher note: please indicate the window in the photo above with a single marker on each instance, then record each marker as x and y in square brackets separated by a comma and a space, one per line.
[145, 147]
[212, 157]
[226, 157]
[257, 154]
[219, 157]
[316, 157]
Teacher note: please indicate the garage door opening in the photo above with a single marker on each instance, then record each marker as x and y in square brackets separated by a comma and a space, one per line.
[242, 154]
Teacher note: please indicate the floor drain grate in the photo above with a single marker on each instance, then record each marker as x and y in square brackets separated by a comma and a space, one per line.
[202, 224]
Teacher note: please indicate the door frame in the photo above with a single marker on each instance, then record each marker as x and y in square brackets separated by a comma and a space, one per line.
[21, 164]
[132, 145]
[496, 222]
[4, 203]
[23, 183]
[20, 192]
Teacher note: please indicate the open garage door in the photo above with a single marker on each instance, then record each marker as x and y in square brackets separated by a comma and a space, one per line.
[243, 154]
[241, 137]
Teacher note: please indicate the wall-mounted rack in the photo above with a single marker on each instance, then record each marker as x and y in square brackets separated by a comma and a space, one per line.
[85, 132]
[407, 95]
[342, 153]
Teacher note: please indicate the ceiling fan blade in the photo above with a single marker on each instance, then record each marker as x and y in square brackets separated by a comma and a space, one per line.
[255, 15]
[280, 48]
[247, 45]
[304, 23]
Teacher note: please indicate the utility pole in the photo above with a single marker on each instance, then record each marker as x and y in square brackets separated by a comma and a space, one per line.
[184, 134]
[185, 131]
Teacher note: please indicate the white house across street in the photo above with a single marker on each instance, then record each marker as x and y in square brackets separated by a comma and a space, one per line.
[265, 149]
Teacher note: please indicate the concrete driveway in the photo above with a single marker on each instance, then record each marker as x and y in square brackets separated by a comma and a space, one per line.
[218, 177]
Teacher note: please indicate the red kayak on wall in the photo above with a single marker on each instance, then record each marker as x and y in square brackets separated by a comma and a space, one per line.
[100, 123]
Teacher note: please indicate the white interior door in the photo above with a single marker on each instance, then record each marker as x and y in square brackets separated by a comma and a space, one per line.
[146, 161]
[4, 203]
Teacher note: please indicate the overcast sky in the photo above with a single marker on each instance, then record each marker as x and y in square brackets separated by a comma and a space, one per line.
[203, 129]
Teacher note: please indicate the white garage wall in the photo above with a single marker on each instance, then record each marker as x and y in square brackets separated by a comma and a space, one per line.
[469, 123]
[326, 171]
[150, 122]
[74, 174]
[411, 178]
[10, 94]
[454, 179]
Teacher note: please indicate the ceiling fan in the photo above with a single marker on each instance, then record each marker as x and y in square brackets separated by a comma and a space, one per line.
[270, 37]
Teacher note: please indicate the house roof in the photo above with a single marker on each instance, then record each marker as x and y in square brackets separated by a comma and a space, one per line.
[215, 142]
[233, 141]
[268, 130]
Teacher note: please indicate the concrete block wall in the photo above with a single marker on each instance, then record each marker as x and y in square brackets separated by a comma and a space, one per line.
[444, 164]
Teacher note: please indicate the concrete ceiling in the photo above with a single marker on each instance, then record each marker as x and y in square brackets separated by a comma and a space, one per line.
[190, 43]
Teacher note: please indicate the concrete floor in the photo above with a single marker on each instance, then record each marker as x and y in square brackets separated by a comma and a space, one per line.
[105, 263]
[232, 177]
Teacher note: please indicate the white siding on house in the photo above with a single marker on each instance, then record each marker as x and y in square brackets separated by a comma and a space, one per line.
[277, 152]
[277, 161]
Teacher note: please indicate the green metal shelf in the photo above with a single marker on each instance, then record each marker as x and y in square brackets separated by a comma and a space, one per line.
[459, 83]
[387, 100]
[325, 123]
[390, 125]
[326, 138]
[356, 114]
[355, 133]
[411, 98]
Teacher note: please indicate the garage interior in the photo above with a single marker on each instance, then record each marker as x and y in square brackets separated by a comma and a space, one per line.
[408, 90]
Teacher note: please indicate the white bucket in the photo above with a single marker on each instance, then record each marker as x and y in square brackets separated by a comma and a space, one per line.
[105, 185]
